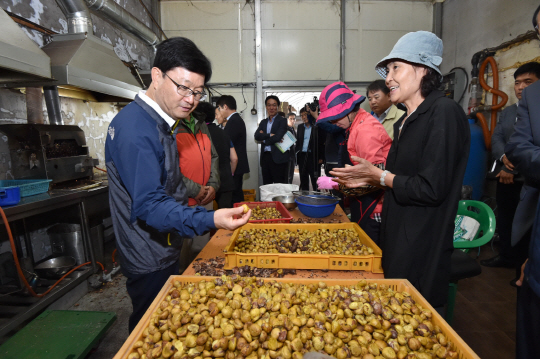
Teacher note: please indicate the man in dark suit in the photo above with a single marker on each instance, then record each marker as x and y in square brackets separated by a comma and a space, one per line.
[236, 129]
[510, 181]
[523, 150]
[274, 163]
[309, 151]
[291, 119]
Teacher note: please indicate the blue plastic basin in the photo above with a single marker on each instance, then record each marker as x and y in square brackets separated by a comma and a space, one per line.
[316, 211]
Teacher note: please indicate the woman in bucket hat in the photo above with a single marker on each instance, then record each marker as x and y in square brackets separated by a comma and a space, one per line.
[365, 138]
[424, 170]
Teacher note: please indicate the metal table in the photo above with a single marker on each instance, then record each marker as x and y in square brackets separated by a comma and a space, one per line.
[15, 309]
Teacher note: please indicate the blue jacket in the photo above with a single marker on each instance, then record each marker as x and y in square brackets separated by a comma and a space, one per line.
[523, 150]
[148, 198]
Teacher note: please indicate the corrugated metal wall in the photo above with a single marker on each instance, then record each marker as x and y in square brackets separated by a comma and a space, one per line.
[300, 38]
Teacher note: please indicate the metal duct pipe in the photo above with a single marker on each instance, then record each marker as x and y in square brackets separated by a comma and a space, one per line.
[34, 105]
[437, 18]
[52, 100]
[120, 16]
[77, 14]
[342, 43]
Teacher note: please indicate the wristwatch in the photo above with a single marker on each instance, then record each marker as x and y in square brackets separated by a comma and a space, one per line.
[383, 175]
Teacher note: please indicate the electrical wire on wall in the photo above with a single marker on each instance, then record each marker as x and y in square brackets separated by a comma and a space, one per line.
[254, 109]
[466, 81]
[245, 102]
[211, 92]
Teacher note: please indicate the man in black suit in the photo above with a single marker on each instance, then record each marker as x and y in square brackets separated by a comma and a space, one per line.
[510, 181]
[236, 129]
[291, 119]
[274, 163]
[309, 151]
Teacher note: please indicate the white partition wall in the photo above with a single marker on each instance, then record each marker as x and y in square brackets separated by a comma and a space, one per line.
[300, 38]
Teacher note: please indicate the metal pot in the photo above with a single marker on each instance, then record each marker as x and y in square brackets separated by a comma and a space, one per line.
[287, 200]
[55, 267]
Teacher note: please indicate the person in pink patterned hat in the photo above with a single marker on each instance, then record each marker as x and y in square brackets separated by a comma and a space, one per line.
[366, 138]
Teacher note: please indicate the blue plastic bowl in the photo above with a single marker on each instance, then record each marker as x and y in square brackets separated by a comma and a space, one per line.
[316, 211]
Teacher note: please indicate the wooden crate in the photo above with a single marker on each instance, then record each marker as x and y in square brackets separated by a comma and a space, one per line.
[369, 263]
[401, 285]
[285, 215]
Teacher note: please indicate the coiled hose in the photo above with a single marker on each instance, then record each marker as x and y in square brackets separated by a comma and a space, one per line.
[495, 105]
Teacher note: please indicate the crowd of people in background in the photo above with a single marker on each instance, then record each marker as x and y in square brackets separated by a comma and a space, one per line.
[319, 146]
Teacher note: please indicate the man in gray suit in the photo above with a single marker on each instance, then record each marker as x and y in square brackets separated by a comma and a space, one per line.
[510, 181]
[523, 149]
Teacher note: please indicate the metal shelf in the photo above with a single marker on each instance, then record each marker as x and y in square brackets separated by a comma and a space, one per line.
[16, 309]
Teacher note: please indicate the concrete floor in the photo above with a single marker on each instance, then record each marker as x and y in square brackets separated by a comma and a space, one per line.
[111, 298]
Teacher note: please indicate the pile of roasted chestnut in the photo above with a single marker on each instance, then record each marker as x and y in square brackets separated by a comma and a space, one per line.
[258, 213]
[250, 318]
[303, 241]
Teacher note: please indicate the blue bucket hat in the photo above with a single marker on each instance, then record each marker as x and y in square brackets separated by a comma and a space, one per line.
[420, 47]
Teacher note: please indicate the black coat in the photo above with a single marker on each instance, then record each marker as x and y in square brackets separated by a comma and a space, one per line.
[315, 134]
[279, 128]
[429, 159]
[236, 129]
[500, 137]
[222, 143]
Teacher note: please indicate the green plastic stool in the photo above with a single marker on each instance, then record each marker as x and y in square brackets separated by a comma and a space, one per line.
[485, 216]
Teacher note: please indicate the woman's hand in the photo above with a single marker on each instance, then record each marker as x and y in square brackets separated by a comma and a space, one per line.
[361, 174]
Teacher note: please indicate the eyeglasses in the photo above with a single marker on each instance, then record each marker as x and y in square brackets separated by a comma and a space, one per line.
[186, 91]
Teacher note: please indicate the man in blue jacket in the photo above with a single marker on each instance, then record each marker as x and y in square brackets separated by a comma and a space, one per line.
[523, 150]
[148, 198]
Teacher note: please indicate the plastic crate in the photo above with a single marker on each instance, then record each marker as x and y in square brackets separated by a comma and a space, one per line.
[400, 285]
[249, 198]
[368, 263]
[285, 215]
[10, 196]
[248, 191]
[28, 187]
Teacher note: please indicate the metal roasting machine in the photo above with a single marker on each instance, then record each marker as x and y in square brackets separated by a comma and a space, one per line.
[36, 151]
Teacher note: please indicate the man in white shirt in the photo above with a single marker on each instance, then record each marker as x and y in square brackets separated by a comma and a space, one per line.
[147, 195]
